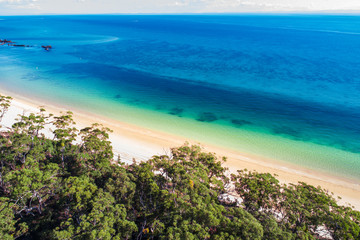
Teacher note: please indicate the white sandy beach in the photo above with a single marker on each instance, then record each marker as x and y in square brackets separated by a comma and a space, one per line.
[130, 141]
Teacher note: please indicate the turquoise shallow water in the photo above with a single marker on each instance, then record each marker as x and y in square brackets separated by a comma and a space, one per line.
[284, 87]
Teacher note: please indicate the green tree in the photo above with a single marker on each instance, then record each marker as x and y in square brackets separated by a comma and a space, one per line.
[64, 134]
[257, 190]
[4, 105]
[343, 222]
[95, 149]
[92, 213]
[8, 222]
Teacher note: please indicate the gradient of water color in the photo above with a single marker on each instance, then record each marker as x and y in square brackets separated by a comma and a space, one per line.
[284, 87]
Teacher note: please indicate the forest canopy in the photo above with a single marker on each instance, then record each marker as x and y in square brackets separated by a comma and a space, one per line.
[71, 186]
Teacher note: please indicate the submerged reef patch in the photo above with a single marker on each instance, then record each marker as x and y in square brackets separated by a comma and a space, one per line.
[240, 122]
[159, 107]
[134, 101]
[176, 111]
[283, 130]
[207, 117]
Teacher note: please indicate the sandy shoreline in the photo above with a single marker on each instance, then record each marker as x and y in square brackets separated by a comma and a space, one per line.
[130, 141]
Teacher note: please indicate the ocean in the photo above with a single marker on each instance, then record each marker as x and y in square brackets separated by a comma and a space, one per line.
[285, 87]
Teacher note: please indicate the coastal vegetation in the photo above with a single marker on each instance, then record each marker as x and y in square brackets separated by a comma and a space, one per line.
[71, 186]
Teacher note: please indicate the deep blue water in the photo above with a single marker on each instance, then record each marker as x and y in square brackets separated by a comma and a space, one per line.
[294, 76]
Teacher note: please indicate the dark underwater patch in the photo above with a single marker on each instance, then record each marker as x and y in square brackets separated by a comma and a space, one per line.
[288, 132]
[207, 117]
[118, 96]
[159, 107]
[134, 101]
[176, 111]
[240, 122]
